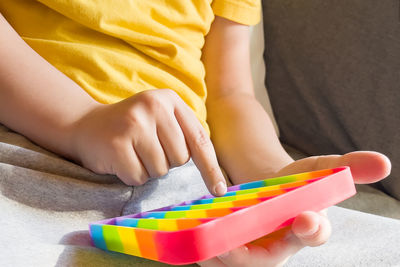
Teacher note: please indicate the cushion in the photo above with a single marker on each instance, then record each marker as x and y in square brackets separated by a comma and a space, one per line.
[333, 76]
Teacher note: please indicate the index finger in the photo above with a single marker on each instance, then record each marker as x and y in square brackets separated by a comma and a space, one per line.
[201, 150]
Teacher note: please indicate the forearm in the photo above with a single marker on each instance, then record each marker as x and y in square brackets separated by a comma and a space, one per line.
[244, 138]
[35, 98]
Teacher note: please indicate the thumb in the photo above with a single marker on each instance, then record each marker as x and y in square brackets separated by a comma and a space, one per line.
[366, 166]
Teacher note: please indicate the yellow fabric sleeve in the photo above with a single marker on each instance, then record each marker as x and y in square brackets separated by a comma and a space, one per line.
[241, 11]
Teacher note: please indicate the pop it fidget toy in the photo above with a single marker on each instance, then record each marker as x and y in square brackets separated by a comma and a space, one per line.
[201, 229]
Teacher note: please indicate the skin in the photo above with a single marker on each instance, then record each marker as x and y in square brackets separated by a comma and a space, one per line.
[248, 148]
[136, 139]
[145, 135]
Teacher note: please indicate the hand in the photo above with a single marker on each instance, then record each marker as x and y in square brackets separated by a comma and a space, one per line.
[309, 228]
[143, 137]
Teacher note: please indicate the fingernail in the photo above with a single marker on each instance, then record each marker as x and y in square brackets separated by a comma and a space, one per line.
[220, 189]
[312, 231]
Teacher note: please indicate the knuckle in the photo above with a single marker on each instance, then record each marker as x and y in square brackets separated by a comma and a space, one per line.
[152, 101]
[116, 143]
[179, 162]
[128, 182]
[213, 171]
[159, 172]
[179, 157]
[131, 177]
[201, 140]
[134, 121]
[171, 92]
[131, 117]
[133, 181]
[97, 167]
[183, 159]
[139, 182]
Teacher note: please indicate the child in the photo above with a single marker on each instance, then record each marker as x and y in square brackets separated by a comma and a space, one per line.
[130, 88]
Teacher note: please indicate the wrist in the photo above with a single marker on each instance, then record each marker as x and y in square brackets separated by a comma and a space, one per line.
[250, 171]
[252, 150]
[72, 130]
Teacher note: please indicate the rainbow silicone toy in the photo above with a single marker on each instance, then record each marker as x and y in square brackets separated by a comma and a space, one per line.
[200, 229]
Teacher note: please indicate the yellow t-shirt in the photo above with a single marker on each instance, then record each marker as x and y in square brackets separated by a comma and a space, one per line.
[114, 49]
